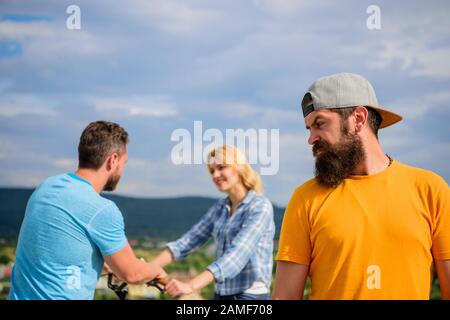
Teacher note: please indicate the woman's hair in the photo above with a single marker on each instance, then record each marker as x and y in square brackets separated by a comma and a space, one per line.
[232, 157]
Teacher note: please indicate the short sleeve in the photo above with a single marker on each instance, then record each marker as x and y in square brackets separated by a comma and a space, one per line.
[295, 243]
[107, 230]
[440, 204]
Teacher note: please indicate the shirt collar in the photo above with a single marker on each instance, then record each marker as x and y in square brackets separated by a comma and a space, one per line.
[74, 176]
[248, 197]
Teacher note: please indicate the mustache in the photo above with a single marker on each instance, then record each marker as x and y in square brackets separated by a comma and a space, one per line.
[320, 145]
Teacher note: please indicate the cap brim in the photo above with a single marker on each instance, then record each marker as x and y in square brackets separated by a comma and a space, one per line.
[388, 117]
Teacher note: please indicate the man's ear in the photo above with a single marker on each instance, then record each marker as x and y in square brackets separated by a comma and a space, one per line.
[112, 161]
[361, 116]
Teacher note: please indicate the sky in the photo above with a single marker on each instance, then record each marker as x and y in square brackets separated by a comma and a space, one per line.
[160, 65]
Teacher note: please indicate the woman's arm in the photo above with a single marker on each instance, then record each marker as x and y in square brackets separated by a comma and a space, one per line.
[192, 239]
[164, 258]
[176, 288]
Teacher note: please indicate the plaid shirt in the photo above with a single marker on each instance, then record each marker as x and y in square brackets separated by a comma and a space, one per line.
[244, 242]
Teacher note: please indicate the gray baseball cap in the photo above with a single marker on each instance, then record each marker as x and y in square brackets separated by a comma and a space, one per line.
[342, 90]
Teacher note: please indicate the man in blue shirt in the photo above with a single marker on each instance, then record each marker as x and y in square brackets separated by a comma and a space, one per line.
[69, 230]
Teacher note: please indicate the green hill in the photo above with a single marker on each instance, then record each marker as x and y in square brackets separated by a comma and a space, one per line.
[164, 218]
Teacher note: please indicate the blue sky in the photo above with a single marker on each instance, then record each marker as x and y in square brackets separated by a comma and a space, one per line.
[158, 65]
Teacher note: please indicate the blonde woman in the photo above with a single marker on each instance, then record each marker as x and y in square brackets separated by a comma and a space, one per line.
[243, 228]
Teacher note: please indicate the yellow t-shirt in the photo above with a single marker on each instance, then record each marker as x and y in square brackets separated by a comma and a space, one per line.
[372, 237]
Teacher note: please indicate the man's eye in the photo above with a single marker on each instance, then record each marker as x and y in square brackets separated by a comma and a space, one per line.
[319, 124]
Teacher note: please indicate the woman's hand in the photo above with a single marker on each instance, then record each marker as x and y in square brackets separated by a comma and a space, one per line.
[176, 288]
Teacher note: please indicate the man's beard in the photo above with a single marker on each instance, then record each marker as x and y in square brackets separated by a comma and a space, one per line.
[336, 162]
[112, 182]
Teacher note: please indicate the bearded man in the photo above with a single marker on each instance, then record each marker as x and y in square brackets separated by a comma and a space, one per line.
[70, 230]
[367, 226]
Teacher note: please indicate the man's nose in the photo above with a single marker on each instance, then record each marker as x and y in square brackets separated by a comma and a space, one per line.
[313, 138]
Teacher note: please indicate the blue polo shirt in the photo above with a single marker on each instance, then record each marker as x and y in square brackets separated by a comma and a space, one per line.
[67, 229]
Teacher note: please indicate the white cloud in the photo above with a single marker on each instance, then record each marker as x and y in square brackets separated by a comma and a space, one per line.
[175, 17]
[263, 51]
[258, 114]
[433, 63]
[28, 168]
[414, 107]
[10, 30]
[49, 44]
[418, 44]
[134, 106]
[261, 54]
[283, 8]
[65, 163]
[13, 105]
[416, 58]
[22, 178]
[4, 85]
[161, 178]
